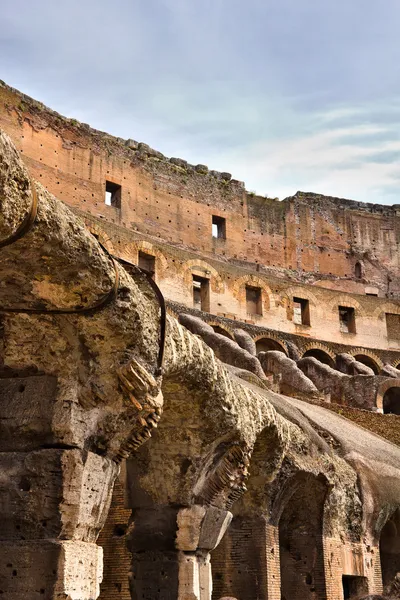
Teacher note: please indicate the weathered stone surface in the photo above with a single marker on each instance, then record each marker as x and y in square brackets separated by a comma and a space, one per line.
[50, 570]
[26, 413]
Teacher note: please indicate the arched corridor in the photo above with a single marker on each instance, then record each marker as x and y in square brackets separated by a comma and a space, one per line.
[368, 362]
[301, 541]
[320, 355]
[265, 344]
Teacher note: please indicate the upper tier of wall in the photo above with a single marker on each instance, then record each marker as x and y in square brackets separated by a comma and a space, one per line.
[310, 237]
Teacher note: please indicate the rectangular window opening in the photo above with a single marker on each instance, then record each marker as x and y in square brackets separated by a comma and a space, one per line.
[347, 319]
[301, 311]
[113, 194]
[147, 262]
[393, 326]
[253, 300]
[218, 227]
[201, 293]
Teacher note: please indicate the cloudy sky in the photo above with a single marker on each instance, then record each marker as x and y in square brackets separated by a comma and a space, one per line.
[284, 94]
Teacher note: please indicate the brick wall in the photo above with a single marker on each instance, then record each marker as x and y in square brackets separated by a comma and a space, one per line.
[117, 559]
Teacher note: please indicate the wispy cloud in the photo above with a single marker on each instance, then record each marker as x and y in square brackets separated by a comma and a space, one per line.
[286, 95]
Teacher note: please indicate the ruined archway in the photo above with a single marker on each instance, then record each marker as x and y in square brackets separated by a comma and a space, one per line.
[301, 540]
[222, 331]
[320, 355]
[389, 548]
[239, 565]
[368, 362]
[265, 344]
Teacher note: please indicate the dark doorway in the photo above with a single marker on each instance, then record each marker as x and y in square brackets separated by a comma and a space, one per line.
[320, 355]
[354, 587]
[391, 401]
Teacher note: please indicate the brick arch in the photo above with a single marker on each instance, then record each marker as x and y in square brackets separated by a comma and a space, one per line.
[387, 307]
[299, 292]
[274, 338]
[239, 289]
[228, 331]
[371, 355]
[101, 236]
[202, 268]
[346, 301]
[130, 252]
[299, 515]
[318, 347]
[383, 388]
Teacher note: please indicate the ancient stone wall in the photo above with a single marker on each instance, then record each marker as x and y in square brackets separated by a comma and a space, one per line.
[329, 252]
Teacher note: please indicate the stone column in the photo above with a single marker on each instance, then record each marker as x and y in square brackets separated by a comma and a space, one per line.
[170, 551]
[53, 500]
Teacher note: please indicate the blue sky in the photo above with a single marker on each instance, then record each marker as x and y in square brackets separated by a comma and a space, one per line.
[284, 94]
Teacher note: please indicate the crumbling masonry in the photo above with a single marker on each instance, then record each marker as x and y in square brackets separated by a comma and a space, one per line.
[234, 435]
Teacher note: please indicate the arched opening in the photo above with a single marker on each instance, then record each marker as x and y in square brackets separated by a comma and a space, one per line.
[358, 270]
[265, 344]
[301, 541]
[222, 331]
[389, 547]
[239, 565]
[391, 401]
[368, 362]
[320, 355]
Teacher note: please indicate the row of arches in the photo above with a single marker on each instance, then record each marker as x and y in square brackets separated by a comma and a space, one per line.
[388, 396]
[265, 343]
[283, 555]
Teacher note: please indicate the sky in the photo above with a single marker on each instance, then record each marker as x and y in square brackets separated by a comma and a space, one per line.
[286, 95]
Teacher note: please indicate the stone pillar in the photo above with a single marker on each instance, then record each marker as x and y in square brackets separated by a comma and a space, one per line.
[171, 551]
[53, 500]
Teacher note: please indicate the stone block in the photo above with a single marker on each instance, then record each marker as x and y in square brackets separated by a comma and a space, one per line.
[132, 144]
[50, 570]
[54, 493]
[26, 411]
[189, 522]
[179, 162]
[215, 523]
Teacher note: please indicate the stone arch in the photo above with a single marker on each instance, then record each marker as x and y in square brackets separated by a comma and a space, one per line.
[346, 301]
[388, 401]
[300, 292]
[239, 290]
[203, 452]
[101, 236]
[368, 358]
[203, 269]
[320, 352]
[238, 563]
[267, 342]
[298, 513]
[221, 329]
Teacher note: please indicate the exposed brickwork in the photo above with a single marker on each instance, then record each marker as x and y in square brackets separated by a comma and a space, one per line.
[117, 558]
